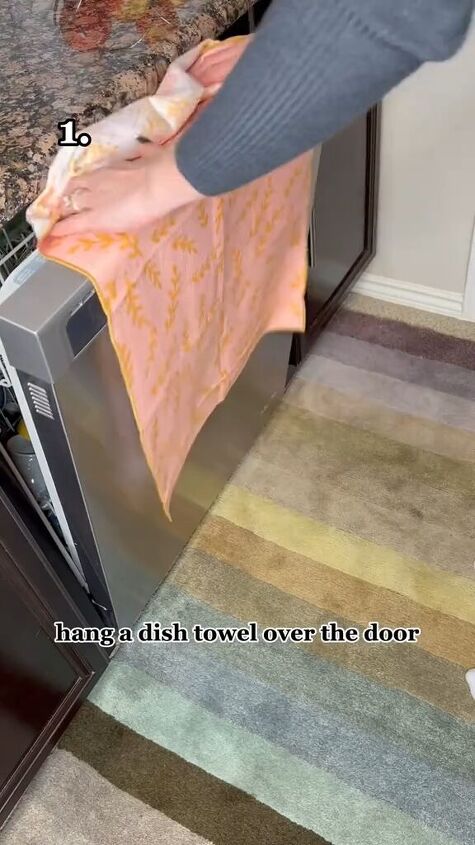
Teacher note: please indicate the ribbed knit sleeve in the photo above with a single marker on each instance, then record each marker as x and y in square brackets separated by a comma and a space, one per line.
[313, 67]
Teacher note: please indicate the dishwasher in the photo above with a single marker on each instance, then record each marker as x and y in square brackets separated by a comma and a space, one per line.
[67, 430]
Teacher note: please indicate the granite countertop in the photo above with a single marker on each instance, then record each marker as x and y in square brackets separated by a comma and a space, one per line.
[84, 59]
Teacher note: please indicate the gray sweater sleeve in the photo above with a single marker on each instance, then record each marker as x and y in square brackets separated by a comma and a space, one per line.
[313, 67]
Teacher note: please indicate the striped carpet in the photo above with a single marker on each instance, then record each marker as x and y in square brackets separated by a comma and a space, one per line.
[356, 505]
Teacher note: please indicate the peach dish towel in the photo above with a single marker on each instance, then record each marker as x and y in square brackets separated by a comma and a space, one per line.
[188, 297]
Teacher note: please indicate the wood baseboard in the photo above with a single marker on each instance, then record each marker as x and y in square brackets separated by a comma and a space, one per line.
[415, 296]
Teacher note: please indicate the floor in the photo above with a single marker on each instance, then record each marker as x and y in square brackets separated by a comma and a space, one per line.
[355, 506]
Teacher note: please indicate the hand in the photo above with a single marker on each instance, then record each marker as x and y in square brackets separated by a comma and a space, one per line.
[126, 195]
[213, 66]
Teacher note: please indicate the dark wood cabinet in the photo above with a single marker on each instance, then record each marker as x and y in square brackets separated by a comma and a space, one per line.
[343, 228]
[342, 238]
[41, 682]
[36, 676]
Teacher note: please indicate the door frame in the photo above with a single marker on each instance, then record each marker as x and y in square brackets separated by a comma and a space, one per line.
[469, 295]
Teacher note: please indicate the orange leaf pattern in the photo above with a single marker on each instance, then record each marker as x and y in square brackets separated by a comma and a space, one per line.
[173, 294]
[159, 233]
[109, 295]
[185, 244]
[203, 215]
[129, 244]
[134, 306]
[152, 274]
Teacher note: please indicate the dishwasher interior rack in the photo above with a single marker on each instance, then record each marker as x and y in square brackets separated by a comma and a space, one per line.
[16, 242]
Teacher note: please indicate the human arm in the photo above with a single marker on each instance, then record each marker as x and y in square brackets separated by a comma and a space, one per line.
[313, 67]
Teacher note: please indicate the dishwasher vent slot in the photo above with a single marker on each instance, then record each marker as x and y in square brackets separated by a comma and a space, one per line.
[40, 400]
[4, 378]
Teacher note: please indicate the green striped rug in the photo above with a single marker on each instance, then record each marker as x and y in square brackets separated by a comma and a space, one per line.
[356, 505]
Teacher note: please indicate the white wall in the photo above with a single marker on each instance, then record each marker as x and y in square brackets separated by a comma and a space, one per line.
[427, 187]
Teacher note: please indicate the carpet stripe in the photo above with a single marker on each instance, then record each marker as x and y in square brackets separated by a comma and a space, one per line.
[391, 392]
[430, 471]
[335, 498]
[356, 699]
[321, 401]
[350, 465]
[72, 803]
[319, 737]
[439, 323]
[404, 668]
[437, 375]
[399, 667]
[306, 794]
[380, 566]
[333, 593]
[414, 340]
[167, 782]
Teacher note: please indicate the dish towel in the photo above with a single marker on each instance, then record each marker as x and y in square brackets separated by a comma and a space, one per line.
[187, 298]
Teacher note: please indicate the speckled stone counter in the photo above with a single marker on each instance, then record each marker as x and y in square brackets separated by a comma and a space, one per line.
[84, 59]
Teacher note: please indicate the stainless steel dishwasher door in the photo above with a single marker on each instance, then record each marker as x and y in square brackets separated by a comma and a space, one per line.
[137, 544]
